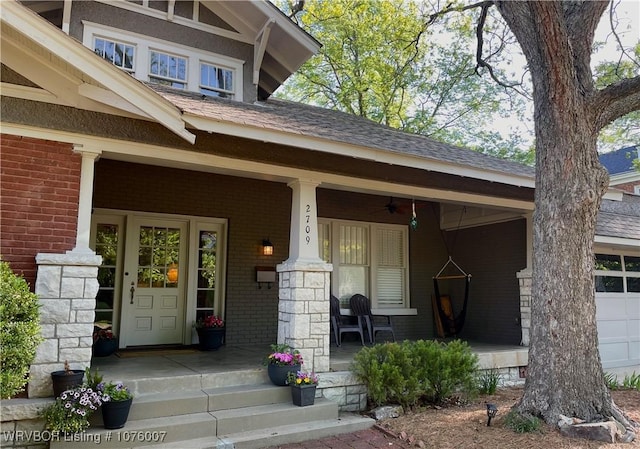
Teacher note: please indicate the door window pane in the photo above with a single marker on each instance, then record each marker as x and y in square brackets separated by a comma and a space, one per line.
[107, 236]
[632, 264]
[158, 257]
[206, 290]
[609, 284]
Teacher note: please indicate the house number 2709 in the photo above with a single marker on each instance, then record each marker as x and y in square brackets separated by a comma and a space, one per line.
[307, 228]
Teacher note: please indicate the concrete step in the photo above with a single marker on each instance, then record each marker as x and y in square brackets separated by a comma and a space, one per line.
[248, 419]
[246, 396]
[293, 433]
[143, 432]
[191, 382]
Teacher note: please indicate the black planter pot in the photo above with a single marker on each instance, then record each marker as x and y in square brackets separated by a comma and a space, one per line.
[115, 413]
[303, 395]
[63, 380]
[104, 348]
[210, 339]
[278, 374]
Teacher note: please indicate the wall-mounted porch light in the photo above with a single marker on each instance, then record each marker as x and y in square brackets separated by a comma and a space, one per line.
[267, 247]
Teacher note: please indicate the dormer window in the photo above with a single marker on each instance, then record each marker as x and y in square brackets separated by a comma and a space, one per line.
[158, 61]
[216, 81]
[119, 53]
[166, 69]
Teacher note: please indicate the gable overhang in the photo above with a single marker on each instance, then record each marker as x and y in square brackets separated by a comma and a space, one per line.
[286, 137]
[280, 46]
[73, 74]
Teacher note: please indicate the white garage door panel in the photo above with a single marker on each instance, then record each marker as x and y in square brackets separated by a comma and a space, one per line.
[634, 330]
[614, 353]
[611, 306]
[613, 329]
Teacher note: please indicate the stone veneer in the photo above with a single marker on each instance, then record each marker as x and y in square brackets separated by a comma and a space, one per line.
[303, 311]
[66, 286]
[524, 280]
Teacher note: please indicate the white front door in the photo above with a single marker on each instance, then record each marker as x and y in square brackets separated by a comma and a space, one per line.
[153, 288]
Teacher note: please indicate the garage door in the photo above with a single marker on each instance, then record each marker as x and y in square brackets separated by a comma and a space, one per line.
[618, 309]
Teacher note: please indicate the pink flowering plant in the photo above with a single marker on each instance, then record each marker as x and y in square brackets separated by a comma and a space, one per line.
[284, 355]
[71, 411]
[209, 322]
[303, 378]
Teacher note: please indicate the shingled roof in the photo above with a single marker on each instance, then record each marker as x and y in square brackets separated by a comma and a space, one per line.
[620, 218]
[335, 126]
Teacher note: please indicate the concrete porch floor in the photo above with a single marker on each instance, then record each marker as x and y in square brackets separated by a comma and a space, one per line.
[238, 358]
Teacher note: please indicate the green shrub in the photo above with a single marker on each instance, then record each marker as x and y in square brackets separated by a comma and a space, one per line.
[488, 381]
[522, 423]
[409, 372]
[632, 382]
[611, 380]
[19, 331]
[386, 369]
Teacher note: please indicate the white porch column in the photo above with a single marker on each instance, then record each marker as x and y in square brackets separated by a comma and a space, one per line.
[304, 283]
[89, 156]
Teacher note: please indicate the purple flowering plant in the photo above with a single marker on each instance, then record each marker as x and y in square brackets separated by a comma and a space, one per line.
[303, 378]
[71, 410]
[114, 391]
[284, 355]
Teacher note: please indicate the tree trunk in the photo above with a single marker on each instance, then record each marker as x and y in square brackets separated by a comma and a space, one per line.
[565, 373]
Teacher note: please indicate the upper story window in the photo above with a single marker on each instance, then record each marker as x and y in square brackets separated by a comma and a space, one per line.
[216, 81]
[119, 53]
[167, 69]
[163, 62]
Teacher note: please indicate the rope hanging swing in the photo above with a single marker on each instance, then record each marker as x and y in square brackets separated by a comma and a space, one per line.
[447, 323]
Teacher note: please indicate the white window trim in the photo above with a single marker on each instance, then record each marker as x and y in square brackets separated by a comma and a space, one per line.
[143, 44]
[333, 224]
[623, 273]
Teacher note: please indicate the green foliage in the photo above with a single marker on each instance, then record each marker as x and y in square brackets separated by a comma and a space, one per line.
[632, 381]
[488, 381]
[92, 379]
[611, 380]
[522, 423]
[19, 331]
[410, 372]
[381, 61]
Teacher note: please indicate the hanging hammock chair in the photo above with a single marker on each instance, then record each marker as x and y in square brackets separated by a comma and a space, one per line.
[447, 323]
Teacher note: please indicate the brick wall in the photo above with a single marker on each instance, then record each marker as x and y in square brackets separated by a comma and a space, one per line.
[39, 185]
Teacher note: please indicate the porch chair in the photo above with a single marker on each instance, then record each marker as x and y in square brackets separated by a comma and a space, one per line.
[361, 307]
[340, 324]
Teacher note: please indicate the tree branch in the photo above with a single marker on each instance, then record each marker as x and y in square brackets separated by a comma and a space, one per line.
[616, 100]
[480, 62]
[623, 50]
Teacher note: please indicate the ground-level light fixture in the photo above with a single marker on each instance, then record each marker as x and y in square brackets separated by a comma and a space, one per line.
[491, 412]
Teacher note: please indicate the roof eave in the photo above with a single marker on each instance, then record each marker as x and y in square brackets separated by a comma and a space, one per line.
[50, 38]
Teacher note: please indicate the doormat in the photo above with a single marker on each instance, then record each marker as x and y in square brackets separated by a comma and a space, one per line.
[154, 352]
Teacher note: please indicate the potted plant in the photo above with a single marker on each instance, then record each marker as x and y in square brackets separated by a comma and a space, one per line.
[66, 379]
[281, 361]
[116, 403]
[105, 341]
[71, 411]
[210, 331]
[303, 387]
